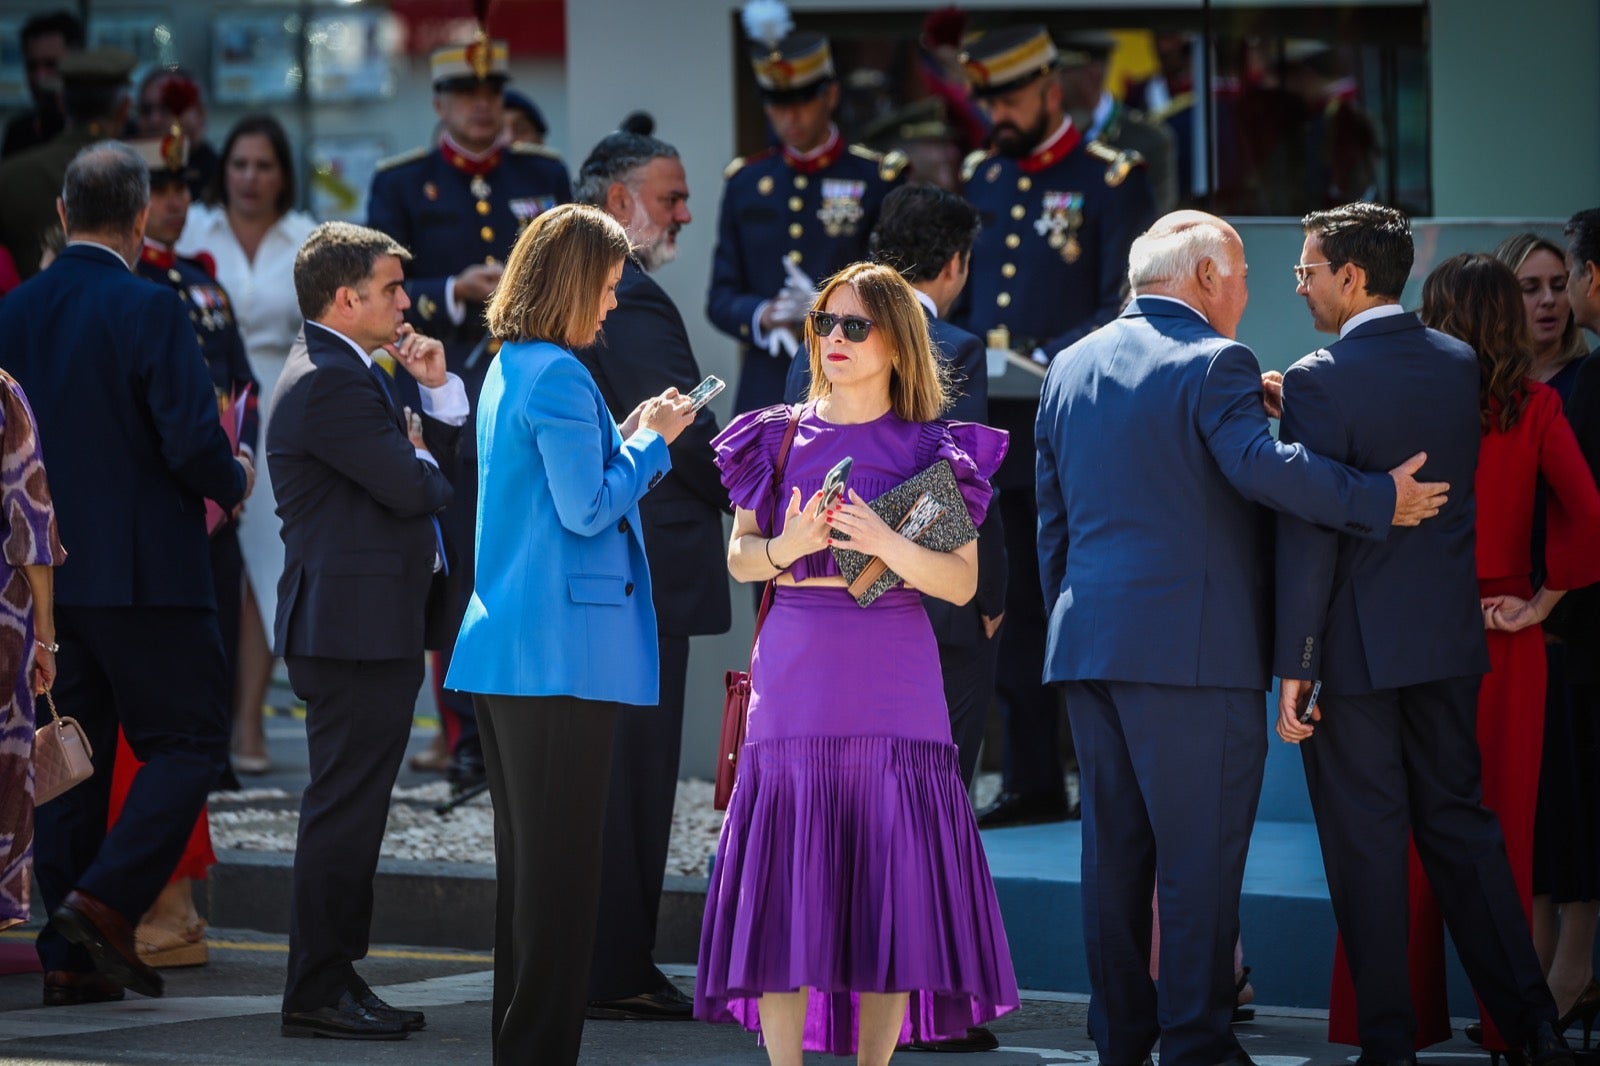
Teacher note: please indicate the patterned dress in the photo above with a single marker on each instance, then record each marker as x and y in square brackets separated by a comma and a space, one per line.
[28, 529]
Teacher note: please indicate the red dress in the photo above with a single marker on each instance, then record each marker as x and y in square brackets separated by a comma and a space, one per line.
[198, 856]
[1511, 701]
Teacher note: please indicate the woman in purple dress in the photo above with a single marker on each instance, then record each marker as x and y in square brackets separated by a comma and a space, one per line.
[851, 907]
[27, 633]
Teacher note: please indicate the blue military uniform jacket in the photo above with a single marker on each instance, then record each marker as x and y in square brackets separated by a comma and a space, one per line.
[1051, 258]
[816, 213]
[450, 216]
[211, 312]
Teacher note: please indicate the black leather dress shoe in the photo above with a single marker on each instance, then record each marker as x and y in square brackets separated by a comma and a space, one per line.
[1374, 1060]
[665, 1004]
[85, 920]
[412, 1020]
[345, 1020]
[1031, 808]
[977, 1039]
[64, 988]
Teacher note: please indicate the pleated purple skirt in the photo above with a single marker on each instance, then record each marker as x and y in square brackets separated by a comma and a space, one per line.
[850, 860]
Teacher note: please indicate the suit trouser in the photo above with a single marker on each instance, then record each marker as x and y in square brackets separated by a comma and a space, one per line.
[969, 675]
[1403, 764]
[159, 673]
[549, 762]
[358, 719]
[1171, 779]
[644, 783]
[1031, 762]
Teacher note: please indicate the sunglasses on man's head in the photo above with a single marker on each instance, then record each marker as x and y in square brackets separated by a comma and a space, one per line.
[856, 328]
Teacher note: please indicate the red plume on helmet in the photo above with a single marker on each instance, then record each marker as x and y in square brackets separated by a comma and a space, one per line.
[178, 94]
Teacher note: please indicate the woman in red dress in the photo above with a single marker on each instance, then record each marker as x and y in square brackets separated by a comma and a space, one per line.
[1476, 298]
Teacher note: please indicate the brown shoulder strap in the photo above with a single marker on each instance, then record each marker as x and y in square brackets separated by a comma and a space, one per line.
[772, 516]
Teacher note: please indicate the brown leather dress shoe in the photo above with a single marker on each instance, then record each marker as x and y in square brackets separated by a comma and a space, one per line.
[65, 988]
[108, 937]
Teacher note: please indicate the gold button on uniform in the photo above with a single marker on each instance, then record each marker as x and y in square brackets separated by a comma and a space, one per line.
[795, 229]
[795, 203]
[1012, 240]
[1009, 270]
[800, 181]
[486, 233]
[1004, 299]
[1017, 211]
[1024, 183]
[483, 207]
[794, 255]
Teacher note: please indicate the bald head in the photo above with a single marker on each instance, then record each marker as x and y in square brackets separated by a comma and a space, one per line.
[1193, 257]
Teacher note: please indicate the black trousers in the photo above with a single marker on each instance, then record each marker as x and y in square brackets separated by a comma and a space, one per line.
[969, 676]
[358, 719]
[1031, 762]
[549, 764]
[644, 783]
[1400, 764]
[160, 674]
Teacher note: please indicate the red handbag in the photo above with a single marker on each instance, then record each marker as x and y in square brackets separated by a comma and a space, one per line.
[736, 683]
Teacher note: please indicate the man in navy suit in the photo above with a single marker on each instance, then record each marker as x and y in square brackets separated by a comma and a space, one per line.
[1154, 459]
[1395, 633]
[359, 491]
[645, 350]
[127, 416]
[926, 233]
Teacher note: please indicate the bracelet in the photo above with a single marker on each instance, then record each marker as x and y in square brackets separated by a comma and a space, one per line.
[52, 647]
[766, 546]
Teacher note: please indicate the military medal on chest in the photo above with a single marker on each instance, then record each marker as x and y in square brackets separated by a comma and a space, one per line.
[841, 210]
[479, 187]
[1060, 218]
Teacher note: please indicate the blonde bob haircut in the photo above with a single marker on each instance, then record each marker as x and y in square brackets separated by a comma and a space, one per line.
[918, 379]
[555, 279]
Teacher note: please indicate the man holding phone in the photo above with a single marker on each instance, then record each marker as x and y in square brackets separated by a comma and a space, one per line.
[644, 350]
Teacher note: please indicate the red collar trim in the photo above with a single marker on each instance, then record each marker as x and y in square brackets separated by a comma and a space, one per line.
[826, 157]
[157, 256]
[464, 161]
[1054, 150]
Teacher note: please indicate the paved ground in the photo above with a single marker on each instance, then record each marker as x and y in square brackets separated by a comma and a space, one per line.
[226, 1013]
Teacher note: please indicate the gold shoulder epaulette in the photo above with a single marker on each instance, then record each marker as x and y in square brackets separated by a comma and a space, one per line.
[536, 149]
[734, 167]
[404, 157]
[1119, 164]
[1176, 104]
[969, 165]
[892, 164]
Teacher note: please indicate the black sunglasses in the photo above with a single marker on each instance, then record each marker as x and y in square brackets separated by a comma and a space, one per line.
[856, 328]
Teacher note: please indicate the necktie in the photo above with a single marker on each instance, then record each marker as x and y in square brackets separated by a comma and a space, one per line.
[381, 376]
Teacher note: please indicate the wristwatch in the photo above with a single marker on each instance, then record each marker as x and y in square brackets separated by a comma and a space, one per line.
[51, 647]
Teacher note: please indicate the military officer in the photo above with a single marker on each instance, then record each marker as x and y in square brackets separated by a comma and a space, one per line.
[792, 215]
[459, 207]
[1058, 216]
[96, 97]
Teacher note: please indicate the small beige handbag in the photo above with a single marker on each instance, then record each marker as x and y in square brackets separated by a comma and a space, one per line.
[61, 756]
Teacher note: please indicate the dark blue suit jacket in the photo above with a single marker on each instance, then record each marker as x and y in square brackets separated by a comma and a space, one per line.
[355, 500]
[644, 350]
[1362, 615]
[1153, 455]
[963, 354]
[128, 424]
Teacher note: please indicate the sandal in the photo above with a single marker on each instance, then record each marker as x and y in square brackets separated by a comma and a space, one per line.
[162, 946]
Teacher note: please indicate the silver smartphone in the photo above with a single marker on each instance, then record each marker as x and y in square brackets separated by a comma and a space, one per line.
[704, 392]
[833, 484]
[1311, 704]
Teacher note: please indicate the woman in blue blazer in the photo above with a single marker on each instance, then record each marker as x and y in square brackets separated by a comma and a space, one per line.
[560, 628]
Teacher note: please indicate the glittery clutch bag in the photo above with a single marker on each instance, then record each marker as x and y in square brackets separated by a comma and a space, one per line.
[928, 509]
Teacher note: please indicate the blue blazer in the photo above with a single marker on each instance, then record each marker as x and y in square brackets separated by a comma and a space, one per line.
[128, 424]
[1364, 616]
[561, 605]
[1153, 455]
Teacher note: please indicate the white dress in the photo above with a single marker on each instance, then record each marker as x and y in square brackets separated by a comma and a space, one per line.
[268, 314]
